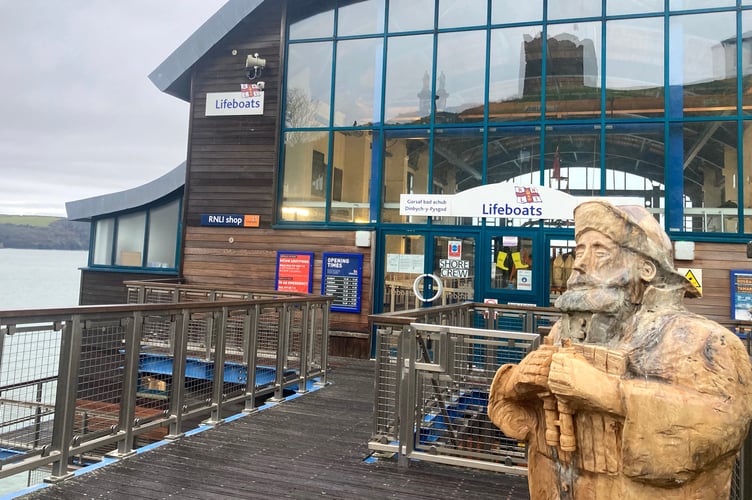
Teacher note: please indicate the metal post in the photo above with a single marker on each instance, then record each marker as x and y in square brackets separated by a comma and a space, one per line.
[250, 333]
[282, 336]
[218, 389]
[407, 382]
[179, 333]
[306, 331]
[65, 399]
[127, 417]
[324, 342]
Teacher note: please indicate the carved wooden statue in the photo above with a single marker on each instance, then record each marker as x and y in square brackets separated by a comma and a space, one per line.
[633, 397]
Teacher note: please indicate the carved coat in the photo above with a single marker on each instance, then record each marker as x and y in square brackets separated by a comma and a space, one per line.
[687, 400]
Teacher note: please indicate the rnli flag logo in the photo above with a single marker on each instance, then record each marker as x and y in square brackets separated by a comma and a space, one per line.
[250, 90]
[527, 195]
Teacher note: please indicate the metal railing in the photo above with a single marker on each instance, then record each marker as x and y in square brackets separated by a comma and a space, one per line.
[82, 382]
[434, 367]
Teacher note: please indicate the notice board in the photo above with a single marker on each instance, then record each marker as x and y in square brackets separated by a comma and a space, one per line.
[741, 295]
[342, 278]
[294, 272]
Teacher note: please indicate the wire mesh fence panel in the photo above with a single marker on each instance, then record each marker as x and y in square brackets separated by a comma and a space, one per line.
[155, 368]
[316, 343]
[236, 365]
[100, 379]
[385, 409]
[268, 334]
[295, 337]
[28, 384]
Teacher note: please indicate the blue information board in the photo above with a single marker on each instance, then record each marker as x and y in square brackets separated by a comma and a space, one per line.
[342, 278]
[741, 295]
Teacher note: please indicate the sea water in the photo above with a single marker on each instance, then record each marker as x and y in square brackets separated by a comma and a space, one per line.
[34, 279]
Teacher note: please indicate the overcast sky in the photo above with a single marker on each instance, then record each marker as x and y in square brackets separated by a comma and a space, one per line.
[79, 116]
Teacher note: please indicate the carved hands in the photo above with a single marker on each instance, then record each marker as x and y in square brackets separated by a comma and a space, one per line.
[574, 380]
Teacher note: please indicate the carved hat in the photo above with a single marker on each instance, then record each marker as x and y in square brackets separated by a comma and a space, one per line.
[632, 227]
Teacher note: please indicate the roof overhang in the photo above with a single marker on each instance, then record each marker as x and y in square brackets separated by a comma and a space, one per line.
[86, 209]
[173, 76]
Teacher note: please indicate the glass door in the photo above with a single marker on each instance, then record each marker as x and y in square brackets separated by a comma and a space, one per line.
[515, 273]
[561, 258]
[417, 273]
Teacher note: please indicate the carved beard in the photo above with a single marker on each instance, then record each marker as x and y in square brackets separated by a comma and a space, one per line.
[596, 311]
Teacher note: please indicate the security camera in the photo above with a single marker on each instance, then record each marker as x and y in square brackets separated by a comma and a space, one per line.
[260, 85]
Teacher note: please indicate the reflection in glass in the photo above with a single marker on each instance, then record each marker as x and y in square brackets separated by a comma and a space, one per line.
[460, 76]
[623, 7]
[361, 18]
[408, 79]
[512, 263]
[316, 26]
[406, 159]
[305, 174]
[515, 74]
[357, 80]
[513, 155]
[573, 62]
[410, 15]
[457, 165]
[700, 58]
[459, 13]
[710, 176]
[573, 160]
[308, 85]
[351, 177]
[514, 11]
[570, 9]
[634, 68]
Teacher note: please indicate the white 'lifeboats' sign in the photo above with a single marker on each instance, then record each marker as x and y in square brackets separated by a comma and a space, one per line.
[502, 201]
[234, 103]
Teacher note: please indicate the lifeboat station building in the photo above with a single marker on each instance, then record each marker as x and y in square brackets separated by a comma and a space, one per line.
[395, 153]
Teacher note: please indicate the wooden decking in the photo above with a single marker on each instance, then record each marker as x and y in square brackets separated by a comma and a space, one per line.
[308, 447]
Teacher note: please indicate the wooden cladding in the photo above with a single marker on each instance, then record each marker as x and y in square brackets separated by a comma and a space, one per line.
[241, 257]
[232, 160]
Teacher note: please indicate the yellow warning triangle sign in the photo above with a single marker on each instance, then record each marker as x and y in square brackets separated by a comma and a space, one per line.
[692, 279]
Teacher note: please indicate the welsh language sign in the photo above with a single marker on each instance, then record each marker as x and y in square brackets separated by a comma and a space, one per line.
[294, 272]
[342, 277]
[501, 201]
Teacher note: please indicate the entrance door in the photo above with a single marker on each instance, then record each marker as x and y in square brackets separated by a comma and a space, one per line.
[514, 260]
[560, 257]
[427, 269]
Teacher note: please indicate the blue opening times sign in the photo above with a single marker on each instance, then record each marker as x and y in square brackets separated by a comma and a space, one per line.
[342, 278]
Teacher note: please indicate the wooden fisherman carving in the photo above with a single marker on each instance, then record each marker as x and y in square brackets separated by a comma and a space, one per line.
[634, 397]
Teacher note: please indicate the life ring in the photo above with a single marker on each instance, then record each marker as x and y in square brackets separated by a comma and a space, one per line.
[439, 288]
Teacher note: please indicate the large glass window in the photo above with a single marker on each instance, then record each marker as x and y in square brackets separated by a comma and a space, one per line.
[702, 59]
[309, 78]
[152, 232]
[351, 177]
[515, 85]
[573, 160]
[710, 176]
[410, 15]
[569, 9]
[457, 165]
[513, 11]
[163, 232]
[406, 162]
[361, 18]
[573, 74]
[747, 62]
[104, 237]
[623, 7]
[409, 96]
[129, 243]
[460, 76]
[460, 13]
[634, 68]
[306, 172]
[357, 96]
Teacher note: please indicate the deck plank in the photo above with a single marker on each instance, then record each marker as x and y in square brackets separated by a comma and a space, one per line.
[308, 447]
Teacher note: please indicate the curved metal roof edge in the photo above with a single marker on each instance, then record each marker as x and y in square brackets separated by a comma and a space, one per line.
[172, 76]
[84, 210]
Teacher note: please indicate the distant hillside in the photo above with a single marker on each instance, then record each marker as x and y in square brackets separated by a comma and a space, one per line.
[40, 232]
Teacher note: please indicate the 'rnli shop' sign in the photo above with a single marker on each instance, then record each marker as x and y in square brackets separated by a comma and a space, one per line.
[230, 220]
[249, 101]
[502, 201]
